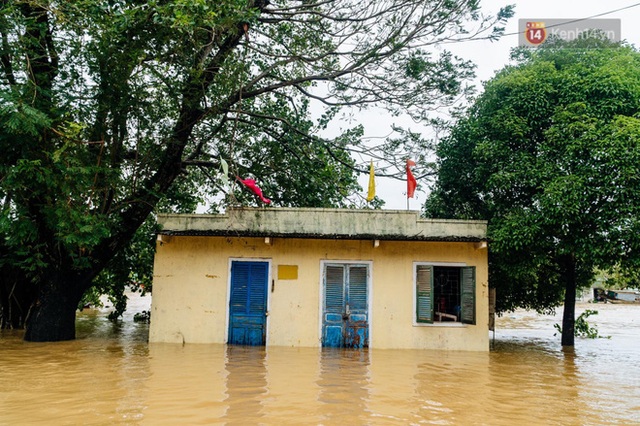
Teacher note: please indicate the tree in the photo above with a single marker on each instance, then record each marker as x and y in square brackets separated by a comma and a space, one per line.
[112, 108]
[619, 277]
[549, 154]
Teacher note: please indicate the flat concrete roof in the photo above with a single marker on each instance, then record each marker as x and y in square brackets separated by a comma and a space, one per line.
[395, 225]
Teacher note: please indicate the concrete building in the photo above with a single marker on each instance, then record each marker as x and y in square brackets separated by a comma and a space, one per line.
[321, 277]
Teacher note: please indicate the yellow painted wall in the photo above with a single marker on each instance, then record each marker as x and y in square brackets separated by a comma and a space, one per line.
[191, 284]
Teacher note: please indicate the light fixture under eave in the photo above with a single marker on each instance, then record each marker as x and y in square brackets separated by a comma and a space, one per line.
[164, 239]
[481, 245]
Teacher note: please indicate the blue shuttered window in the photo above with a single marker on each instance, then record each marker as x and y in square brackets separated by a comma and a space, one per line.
[248, 285]
[239, 288]
[258, 289]
[334, 289]
[358, 288]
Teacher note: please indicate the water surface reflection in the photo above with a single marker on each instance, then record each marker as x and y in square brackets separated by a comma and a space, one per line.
[110, 375]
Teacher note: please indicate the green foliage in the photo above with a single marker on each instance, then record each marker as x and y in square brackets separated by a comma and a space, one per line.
[294, 168]
[549, 154]
[144, 316]
[21, 119]
[583, 328]
[112, 110]
[621, 277]
[131, 267]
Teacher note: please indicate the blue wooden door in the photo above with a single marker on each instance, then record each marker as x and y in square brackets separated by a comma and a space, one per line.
[345, 314]
[248, 303]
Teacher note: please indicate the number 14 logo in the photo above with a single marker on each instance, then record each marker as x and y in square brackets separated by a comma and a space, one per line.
[535, 33]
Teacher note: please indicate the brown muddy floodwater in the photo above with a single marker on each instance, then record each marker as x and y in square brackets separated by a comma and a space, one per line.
[111, 375]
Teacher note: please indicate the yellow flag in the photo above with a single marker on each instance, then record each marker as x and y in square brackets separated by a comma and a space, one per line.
[372, 183]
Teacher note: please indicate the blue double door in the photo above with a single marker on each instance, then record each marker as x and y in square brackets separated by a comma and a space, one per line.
[345, 304]
[345, 314]
[248, 303]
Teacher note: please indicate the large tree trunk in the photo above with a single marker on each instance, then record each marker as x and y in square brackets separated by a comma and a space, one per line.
[52, 317]
[569, 315]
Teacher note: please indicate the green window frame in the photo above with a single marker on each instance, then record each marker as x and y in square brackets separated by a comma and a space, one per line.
[428, 296]
[424, 293]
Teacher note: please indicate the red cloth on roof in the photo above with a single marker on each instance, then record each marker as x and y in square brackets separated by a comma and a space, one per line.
[411, 181]
[251, 184]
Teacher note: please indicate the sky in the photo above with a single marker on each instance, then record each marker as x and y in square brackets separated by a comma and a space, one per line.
[493, 56]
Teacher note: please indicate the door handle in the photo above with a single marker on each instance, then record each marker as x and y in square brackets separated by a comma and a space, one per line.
[347, 313]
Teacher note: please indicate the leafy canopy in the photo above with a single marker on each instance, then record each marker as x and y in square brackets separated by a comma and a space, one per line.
[550, 155]
[113, 109]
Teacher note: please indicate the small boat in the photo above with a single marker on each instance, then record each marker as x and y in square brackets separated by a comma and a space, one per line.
[616, 296]
[632, 296]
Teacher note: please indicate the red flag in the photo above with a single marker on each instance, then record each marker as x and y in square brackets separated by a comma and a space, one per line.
[251, 184]
[411, 181]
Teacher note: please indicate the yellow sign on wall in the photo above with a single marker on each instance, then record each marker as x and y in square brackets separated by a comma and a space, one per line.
[287, 272]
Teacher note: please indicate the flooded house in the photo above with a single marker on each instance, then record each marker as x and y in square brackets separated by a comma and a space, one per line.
[321, 277]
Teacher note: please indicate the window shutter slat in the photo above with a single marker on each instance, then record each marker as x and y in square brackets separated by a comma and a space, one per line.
[240, 277]
[468, 296]
[334, 288]
[424, 293]
[257, 287]
[358, 288]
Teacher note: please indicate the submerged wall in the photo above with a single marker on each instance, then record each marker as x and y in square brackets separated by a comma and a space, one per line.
[192, 275]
